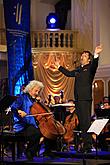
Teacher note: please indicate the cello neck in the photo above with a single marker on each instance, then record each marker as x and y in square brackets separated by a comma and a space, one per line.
[43, 105]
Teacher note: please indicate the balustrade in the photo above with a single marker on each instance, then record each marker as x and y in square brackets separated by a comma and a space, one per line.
[45, 39]
[62, 39]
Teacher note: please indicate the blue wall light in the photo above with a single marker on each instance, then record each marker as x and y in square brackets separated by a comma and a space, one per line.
[52, 21]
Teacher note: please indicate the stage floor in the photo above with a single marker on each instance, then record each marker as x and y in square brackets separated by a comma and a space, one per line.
[66, 158]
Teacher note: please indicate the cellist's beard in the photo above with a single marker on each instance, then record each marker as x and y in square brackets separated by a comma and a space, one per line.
[35, 96]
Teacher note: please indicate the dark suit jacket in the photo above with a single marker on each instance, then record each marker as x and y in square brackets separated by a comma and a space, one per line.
[83, 79]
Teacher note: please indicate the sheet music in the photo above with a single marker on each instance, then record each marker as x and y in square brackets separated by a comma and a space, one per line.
[64, 105]
[97, 126]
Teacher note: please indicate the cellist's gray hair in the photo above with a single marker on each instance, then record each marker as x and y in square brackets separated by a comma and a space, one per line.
[33, 84]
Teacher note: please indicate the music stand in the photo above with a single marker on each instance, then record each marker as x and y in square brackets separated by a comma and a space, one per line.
[5, 102]
[60, 110]
[96, 127]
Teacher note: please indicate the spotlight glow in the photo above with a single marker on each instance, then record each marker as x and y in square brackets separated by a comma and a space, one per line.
[52, 21]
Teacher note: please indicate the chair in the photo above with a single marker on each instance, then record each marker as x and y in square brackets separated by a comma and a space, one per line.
[15, 140]
[10, 136]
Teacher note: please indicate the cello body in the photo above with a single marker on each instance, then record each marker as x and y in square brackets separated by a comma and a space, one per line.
[70, 124]
[49, 127]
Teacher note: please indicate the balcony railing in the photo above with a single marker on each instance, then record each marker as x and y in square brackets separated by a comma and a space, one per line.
[49, 40]
[61, 39]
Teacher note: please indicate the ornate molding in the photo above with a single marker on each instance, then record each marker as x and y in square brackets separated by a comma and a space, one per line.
[103, 71]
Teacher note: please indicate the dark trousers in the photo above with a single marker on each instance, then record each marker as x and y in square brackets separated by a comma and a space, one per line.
[102, 143]
[50, 145]
[83, 110]
[32, 136]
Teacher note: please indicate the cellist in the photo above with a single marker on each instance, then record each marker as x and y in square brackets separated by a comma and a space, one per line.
[24, 124]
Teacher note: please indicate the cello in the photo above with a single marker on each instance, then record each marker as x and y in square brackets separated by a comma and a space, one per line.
[71, 122]
[49, 127]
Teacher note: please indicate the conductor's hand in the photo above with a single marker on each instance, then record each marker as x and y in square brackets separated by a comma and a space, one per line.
[22, 113]
[98, 49]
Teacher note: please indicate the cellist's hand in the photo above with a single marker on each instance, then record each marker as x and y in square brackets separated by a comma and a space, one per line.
[22, 113]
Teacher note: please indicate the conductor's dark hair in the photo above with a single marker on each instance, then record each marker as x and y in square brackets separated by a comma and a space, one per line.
[89, 54]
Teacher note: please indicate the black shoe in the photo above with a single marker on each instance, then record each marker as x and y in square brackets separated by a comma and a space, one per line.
[29, 156]
[87, 151]
[84, 150]
[48, 154]
[45, 154]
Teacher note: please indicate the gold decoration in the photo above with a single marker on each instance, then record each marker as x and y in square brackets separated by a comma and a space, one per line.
[53, 80]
